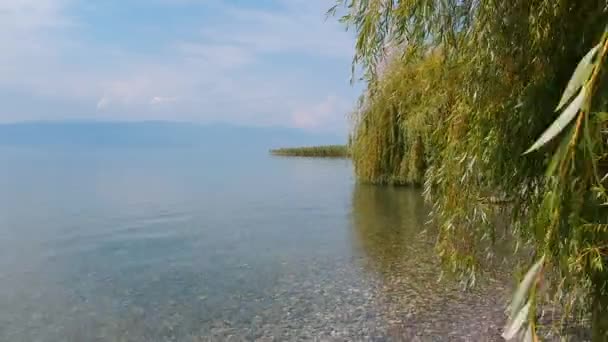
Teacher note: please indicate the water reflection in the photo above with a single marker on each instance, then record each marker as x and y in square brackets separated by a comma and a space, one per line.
[397, 250]
[388, 227]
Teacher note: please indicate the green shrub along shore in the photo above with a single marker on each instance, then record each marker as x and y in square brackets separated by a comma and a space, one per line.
[499, 109]
[328, 151]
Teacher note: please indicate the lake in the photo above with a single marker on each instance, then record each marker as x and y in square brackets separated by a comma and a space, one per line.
[181, 244]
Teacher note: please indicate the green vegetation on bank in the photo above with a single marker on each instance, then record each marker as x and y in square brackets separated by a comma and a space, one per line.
[328, 151]
[457, 94]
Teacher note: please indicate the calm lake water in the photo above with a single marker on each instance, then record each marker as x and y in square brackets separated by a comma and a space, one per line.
[187, 245]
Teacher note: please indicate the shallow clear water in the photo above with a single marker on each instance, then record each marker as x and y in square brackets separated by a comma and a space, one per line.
[188, 245]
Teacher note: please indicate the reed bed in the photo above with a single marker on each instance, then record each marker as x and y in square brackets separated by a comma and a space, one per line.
[327, 151]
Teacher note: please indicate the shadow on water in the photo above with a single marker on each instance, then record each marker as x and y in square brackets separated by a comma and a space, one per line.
[397, 249]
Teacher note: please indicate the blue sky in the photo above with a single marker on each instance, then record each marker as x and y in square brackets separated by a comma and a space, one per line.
[250, 62]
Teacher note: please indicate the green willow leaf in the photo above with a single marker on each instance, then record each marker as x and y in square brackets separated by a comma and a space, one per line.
[559, 154]
[525, 285]
[579, 77]
[601, 116]
[514, 327]
[528, 335]
[560, 123]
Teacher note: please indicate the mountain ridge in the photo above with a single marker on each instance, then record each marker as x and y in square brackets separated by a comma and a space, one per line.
[85, 133]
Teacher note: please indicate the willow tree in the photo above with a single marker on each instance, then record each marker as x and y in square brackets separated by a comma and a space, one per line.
[503, 69]
[393, 123]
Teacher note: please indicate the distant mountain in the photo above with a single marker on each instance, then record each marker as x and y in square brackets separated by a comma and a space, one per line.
[157, 134]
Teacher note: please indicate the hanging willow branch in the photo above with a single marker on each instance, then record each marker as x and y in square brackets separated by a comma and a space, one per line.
[457, 91]
[577, 148]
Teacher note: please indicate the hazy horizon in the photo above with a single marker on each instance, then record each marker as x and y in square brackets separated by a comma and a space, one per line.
[159, 133]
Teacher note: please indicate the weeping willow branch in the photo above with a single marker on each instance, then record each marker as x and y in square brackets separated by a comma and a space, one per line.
[457, 91]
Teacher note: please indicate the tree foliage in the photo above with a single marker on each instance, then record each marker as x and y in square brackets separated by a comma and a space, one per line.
[458, 92]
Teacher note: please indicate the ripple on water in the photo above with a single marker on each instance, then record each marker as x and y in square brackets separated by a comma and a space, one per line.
[311, 260]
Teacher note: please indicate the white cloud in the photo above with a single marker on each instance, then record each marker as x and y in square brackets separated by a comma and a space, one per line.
[103, 103]
[241, 69]
[326, 114]
[158, 100]
[32, 36]
[221, 55]
[299, 27]
[33, 14]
